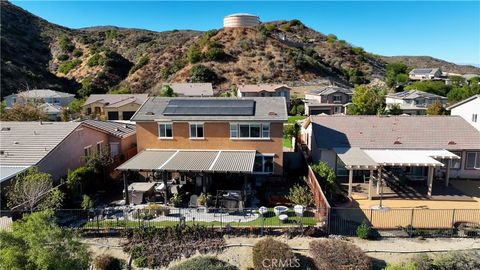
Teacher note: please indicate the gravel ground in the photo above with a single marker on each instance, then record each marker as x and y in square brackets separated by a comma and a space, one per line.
[387, 250]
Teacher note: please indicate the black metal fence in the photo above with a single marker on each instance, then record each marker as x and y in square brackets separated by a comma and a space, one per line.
[123, 218]
[406, 222]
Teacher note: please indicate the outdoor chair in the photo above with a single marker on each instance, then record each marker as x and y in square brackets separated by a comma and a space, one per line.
[193, 201]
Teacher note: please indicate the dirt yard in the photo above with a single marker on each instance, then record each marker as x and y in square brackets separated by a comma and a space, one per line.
[389, 250]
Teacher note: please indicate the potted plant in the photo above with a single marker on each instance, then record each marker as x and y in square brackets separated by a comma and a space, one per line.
[176, 200]
[204, 200]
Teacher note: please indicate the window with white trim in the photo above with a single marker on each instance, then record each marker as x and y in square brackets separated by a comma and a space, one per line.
[196, 130]
[337, 98]
[233, 130]
[165, 130]
[474, 118]
[99, 147]
[472, 160]
[263, 164]
[250, 130]
[87, 151]
[265, 130]
[456, 163]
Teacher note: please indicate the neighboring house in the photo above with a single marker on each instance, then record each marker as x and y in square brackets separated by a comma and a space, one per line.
[210, 140]
[421, 74]
[414, 102]
[468, 109]
[39, 96]
[328, 100]
[192, 89]
[122, 141]
[56, 147]
[49, 101]
[375, 137]
[113, 106]
[53, 112]
[264, 90]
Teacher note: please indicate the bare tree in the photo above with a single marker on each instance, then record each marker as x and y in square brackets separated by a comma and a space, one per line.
[30, 190]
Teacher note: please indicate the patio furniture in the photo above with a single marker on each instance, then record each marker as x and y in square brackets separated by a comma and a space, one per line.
[283, 218]
[278, 210]
[298, 209]
[193, 201]
[262, 210]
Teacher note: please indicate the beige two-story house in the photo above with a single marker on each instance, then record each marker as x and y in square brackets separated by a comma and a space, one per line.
[327, 100]
[113, 106]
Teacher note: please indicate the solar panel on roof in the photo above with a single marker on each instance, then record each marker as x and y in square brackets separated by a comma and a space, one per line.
[209, 107]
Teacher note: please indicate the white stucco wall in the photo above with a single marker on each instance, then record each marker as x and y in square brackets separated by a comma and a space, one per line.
[467, 110]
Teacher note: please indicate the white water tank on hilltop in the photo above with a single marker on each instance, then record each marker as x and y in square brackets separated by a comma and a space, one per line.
[240, 20]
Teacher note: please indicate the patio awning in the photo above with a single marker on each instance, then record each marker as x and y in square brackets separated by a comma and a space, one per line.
[391, 157]
[355, 158]
[362, 159]
[233, 161]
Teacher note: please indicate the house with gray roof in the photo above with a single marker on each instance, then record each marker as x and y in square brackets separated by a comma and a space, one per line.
[192, 89]
[112, 106]
[414, 102]
[209, 140]
[49, 101]
[56, 147]
[422, 74]
[439, 145]
[328, 100]
[39, 96]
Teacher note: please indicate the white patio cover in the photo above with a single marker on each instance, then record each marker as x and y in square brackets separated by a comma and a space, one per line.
[356, 158]
[391, 157]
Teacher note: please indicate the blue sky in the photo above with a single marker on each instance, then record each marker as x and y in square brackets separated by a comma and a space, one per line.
[446, 30]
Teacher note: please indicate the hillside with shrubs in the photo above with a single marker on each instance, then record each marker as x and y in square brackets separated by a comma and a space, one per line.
[39, 54]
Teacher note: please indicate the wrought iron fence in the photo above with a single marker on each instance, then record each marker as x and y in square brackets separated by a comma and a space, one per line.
[159, 216]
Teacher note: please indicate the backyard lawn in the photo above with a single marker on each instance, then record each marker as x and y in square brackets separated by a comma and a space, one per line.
[287, 142]
[292, 119]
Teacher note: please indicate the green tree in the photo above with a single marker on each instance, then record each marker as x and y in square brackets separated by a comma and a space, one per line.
[200, 73]
[194, 55]
[36, 242]
[79, 178]
[436, 109]
[32, 190]
[300, 194]
[394, 109]
[66, 66]
[367, 100]
[457, 81]
[392, 75]
[326, 177]
[87, 87]
[87, 202]
[434, 87]
[331, 38]
[65, 43]
[167, 91]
